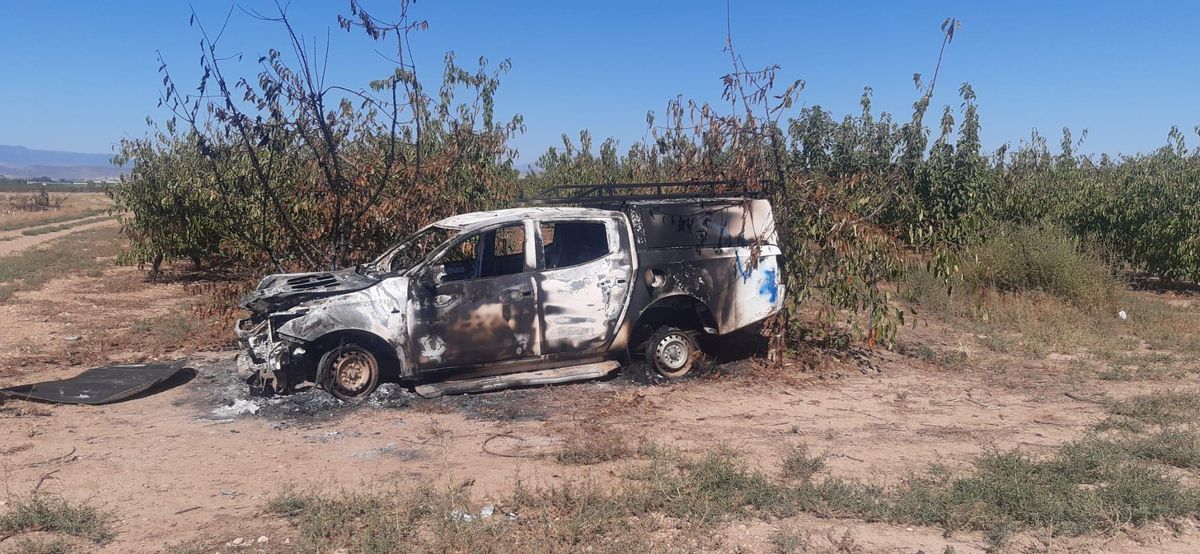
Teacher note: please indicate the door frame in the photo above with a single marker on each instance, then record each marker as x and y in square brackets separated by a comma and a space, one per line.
[533, 352]
[618, 222]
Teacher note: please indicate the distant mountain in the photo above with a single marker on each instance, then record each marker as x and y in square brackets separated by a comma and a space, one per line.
[21, 162]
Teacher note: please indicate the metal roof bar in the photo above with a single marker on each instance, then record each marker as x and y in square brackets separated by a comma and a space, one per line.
[609, 193]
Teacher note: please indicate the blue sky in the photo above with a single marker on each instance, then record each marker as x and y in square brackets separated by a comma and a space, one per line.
[79, 75]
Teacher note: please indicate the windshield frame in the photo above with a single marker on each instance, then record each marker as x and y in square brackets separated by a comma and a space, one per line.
[384, 261]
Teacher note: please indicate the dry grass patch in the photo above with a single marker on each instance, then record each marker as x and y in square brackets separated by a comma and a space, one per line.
[56, 515]
[795, 541]
[52, 545]
[1151, 342]
[1159, 408]
[594, 444]
[1038, 291]
[1157, 427]
[74, 206]
[674, 502]
[557, 519]
[714, 487]
[1177, 447]
[77, 252]
[35, 231]
[1044, 259]
[798, 464]
[1135, 366]
[170, 330]
[939, 357]
[1090, 485]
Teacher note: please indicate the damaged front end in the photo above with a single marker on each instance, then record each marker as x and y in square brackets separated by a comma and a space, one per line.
[276, 293]
[274, 362]
[269, 362]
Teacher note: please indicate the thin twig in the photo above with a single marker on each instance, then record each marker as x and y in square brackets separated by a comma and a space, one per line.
[62, 458]
[45, 476]
[977, 403]
[502, 455]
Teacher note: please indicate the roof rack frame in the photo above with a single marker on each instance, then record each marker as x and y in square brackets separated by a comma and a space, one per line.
[609, 193]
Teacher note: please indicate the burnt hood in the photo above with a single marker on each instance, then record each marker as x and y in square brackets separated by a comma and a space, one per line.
[285, 290]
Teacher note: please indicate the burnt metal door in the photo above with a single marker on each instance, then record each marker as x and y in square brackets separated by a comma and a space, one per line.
[481, 307]
[584, 278]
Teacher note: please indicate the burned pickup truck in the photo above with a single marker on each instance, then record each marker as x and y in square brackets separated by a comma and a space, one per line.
[568, 287]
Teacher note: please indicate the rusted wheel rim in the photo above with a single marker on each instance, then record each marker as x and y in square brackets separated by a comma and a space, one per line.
[352, 370]
[672, 353]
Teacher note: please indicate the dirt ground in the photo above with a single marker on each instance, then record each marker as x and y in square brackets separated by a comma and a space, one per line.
[13, 241]
[191, 465]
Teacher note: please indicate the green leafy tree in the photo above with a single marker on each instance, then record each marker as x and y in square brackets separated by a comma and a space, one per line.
[302, 173]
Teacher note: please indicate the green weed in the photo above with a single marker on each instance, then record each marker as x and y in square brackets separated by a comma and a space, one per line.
[1090, 485]
[57, 515]
[1160, 408]
[798, 464]
[1044, 259]
[1176, 447]
[55, 545]
[707, 489]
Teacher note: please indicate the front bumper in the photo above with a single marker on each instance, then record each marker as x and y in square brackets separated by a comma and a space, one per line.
[266, 359]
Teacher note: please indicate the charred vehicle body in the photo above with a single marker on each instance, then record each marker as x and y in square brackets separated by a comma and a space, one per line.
[568, 287]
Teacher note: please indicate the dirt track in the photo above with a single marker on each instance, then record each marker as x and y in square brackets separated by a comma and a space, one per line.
[19, 242]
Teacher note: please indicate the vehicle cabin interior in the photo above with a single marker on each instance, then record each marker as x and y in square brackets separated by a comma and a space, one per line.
[569, 243]
[501, 251]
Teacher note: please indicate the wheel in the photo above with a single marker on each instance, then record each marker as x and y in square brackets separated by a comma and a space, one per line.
[350, 371]
[672, 352]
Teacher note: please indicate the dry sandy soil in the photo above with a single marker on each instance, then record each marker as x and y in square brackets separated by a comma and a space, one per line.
[179, 468]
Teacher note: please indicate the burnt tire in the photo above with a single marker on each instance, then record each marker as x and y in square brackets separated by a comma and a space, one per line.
[349, 371]
[672, 352]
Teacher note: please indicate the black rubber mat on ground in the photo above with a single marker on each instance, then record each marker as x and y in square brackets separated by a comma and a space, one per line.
[100, 385]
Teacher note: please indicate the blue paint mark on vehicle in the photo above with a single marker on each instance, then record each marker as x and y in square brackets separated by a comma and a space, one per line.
[769, 287]
[744, 271]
